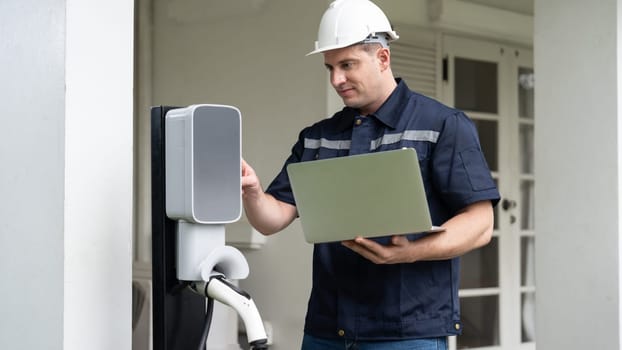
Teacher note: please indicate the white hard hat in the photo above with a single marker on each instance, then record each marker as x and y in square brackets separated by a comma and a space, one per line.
[347, 22]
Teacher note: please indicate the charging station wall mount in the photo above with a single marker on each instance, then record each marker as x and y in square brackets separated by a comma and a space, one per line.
[196, 190]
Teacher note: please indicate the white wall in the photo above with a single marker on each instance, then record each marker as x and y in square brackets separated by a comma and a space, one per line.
[66, 179]
[577, 163]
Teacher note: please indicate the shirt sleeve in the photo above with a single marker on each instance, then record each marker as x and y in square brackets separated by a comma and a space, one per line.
[460, 172]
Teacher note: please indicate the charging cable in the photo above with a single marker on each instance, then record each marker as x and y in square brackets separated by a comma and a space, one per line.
[219, 288]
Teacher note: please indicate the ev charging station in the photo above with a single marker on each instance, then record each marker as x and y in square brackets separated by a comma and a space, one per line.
[196, 190]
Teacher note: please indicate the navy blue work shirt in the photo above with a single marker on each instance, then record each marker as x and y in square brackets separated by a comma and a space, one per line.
[354, 298]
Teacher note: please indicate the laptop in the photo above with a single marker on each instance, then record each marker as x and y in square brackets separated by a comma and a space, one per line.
[369, 195]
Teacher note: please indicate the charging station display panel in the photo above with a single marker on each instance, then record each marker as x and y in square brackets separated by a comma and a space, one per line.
[203, 164]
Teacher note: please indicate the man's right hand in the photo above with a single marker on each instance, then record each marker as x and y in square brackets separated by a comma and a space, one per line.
[264, 212]
[250, 181]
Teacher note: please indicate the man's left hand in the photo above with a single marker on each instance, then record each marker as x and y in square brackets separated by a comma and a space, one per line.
[398, 251]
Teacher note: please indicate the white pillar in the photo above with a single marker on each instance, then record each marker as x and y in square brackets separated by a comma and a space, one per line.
[32, 173]
[98, 174]
[578, 178]
[66, 178]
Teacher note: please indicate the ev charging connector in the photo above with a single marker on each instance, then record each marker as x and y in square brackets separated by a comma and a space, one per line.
[203, 192]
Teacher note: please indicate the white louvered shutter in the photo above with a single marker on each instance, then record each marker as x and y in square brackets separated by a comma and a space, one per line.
[416, 64]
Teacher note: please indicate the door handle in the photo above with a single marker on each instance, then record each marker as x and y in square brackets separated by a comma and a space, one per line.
[508, 204]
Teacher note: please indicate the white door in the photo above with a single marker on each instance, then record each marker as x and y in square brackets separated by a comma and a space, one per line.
[493, 84]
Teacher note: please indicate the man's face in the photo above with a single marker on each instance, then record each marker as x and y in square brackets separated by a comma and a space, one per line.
[355, 74]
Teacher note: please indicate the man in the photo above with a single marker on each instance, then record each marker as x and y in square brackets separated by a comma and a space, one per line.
[398, 292]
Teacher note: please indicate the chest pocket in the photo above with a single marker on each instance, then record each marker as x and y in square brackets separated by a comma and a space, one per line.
[422, 148]
[420, 140]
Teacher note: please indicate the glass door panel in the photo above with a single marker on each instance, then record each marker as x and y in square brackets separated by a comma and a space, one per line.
[481, 323]
[526, 148]
[488, 131]
[528, 328]
[526, 83]
[480, 267]
[528, 268]
[476, 85]
[527, 205]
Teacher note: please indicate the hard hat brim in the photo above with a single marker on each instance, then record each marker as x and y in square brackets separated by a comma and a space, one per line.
[392, 37]
[328, 48]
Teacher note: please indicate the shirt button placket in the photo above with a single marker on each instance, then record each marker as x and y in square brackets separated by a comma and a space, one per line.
[361, 135]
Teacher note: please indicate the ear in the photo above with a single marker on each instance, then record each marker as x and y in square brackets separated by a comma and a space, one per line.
[384, 58]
